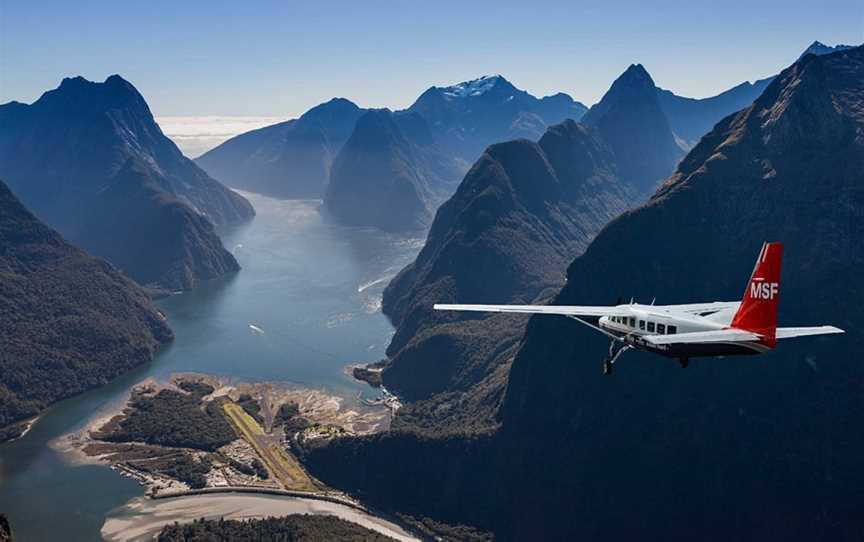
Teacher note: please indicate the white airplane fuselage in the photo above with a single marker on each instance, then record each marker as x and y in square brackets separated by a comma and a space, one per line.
[640, 321]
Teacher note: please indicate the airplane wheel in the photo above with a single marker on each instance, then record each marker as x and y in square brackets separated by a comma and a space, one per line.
[684, 362]
[607, 367]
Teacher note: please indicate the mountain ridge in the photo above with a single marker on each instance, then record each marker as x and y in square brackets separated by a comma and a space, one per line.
[267, 160]
[61, 154]
[291, 159]
[521, 213]
[741, 432]
[69, 321]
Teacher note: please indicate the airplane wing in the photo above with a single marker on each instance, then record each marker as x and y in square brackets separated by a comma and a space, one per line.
[738, 335]
[791, 332]
[562, 310]
[716, 336]
[696, 308]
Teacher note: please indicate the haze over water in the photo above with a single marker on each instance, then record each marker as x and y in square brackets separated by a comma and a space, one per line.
[313, 288]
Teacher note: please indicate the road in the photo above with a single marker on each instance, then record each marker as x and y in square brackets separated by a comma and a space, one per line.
[279, 462]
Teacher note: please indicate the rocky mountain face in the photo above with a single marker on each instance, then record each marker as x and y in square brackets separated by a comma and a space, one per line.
[390, 174]
[469, 116]
[692, 118]
[819, 48]
[520, 216]
[85, 150]
[68, 321]
[737, 432]
[446, 129]
[733, 448]
[5, 530]
[629, 118]
[287, 160]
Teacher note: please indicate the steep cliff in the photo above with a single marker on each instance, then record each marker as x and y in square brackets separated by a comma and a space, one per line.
[521, 214]
[63, 154]
[734, 448]
[390, 174]
[68, 321]
[291, 159]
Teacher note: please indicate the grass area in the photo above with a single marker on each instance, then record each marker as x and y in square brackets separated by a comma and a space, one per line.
[279, 462]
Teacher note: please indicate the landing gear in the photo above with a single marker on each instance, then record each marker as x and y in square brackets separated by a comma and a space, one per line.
[684, 362]
[613, 355]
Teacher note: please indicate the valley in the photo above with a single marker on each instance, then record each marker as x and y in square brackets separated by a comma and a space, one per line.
[313, 317]
[183, 361]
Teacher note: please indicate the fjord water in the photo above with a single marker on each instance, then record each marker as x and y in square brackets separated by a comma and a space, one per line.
[311, 289]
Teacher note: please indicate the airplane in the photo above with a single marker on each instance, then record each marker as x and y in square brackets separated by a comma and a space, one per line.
[719, 328]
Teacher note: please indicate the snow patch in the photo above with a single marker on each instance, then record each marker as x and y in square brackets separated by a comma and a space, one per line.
[476, 87]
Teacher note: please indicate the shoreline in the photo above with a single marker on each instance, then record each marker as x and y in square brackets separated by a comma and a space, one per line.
[322, 415]
[28, 425]
[142, 518]
[332, 497]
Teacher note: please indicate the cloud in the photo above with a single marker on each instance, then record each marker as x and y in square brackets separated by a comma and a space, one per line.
[197, 135]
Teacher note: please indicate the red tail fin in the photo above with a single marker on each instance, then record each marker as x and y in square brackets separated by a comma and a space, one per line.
[758, 310]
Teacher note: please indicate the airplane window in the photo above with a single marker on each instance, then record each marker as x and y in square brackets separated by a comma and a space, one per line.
[651, 327]
[642, 325]
[671, 330]
[661, 329]
[632, 322]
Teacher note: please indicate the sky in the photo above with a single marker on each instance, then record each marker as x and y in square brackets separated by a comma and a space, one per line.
[279, 58]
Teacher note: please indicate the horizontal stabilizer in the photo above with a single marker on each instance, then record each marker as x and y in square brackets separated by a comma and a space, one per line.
[792, 332]
[702, 337]
[562, 310]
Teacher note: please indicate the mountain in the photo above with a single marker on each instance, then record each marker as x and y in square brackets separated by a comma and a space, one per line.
[469, 116]
[522, 213]
[692, 118]
[734, 448]
[68, 322]
[294, 159]
[519, 217]
[287, 160]
[390, 174]
[629, 118]
[819, 48]
[139, 227]
[5, 530]
[85, 151]
[737, 432]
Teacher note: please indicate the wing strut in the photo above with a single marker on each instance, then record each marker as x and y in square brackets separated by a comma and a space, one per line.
[597, 328]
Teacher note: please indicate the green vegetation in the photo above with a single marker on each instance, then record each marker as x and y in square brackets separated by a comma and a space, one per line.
[182, 466]
[251, 406]
[294, 528]
[290, 419]
[286, 412]
[442, 532]
[68, 321]
[197, 388]
[256, 468]
[170, 418]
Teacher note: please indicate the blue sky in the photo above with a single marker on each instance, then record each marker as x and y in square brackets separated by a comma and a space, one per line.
[279, 58]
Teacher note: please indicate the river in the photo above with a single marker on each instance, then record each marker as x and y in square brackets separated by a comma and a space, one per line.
[311, 292]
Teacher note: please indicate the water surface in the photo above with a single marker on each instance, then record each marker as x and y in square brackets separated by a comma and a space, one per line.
[312, 289]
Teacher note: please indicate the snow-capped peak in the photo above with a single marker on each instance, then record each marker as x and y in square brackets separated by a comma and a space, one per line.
[475, 87]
